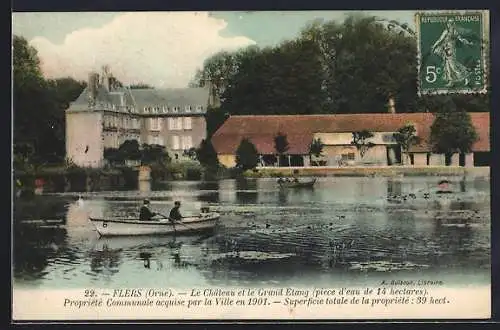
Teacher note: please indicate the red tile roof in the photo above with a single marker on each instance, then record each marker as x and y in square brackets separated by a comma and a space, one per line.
[300, 129]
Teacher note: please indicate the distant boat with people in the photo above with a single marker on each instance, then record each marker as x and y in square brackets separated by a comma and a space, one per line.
[296, 183]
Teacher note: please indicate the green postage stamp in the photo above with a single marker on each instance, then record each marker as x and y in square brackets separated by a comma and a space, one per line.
[452, 52]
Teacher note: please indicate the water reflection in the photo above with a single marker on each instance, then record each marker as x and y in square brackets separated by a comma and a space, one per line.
[342, 228]
[246, 191]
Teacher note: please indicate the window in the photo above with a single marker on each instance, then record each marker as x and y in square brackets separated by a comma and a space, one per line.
[187, 123]
[187, 108]
[199, 108]
[146, 109]
[154, 124]
[165, 109]
[187, 142]
[175, 124]
[152, 139]
[348, 156]
[176, 109]
[175, 142]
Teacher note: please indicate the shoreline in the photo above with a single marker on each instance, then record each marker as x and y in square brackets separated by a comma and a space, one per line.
[389, 171]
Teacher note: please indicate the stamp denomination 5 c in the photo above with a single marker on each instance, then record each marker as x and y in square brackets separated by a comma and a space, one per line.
[452, 52]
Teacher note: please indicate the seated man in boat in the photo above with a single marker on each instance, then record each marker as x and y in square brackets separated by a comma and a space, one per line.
[145, 212]
[175, 214]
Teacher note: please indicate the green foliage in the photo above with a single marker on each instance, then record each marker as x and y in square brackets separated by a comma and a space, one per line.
[281, 146]
[406, 137]
[130, 150]
[281, 143]
[215, 117]
[45, 100]
[154, 154]
[331, 67]
[316, 147]
[247, 156]
[360, 141]
[206, 154]
[452, 131]
[282, 80]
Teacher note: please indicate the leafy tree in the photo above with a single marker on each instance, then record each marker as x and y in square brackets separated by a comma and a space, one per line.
[45, 100]
[315, 149]
[280, 80]
[281, 145]
[452, 132]
[406, 137]
[130, 149]
[154, 154]
[247, 156]
[360, 141]
[112, 155]
[206, 154]
[215, 117]
[364, 63]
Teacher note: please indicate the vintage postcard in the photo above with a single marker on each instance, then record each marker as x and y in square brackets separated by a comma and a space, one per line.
[251, 165]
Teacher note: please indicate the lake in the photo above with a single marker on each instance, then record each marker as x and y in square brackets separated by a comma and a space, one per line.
[346, 230]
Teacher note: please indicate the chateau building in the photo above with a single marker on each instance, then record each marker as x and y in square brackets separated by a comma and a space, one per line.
[106, 114]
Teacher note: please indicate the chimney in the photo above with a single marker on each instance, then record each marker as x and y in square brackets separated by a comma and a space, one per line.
[106, 77]
[391, 105]
[92, 86]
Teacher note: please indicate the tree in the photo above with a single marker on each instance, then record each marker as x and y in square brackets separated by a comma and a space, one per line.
[206, 154]
[215, 117]
[285, 79]
[281, 146]
[45, 100]
[315, 149]
[360, 141]
[154, 154]
[247, 156]
[452, 132]
[216, 73]
[406, 137]
[130, 149]
[365, 62]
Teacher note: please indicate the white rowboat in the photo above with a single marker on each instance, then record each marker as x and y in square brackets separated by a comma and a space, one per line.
[134, 227]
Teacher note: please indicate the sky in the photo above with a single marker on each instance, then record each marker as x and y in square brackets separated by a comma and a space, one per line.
[162, 49]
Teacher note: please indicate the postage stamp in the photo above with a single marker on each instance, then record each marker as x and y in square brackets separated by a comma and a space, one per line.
[452, 52]
[226, 165]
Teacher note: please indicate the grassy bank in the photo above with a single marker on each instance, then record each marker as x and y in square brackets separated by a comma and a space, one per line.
[369, 171]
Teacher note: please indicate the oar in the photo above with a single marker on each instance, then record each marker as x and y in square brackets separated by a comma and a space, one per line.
[174, 222]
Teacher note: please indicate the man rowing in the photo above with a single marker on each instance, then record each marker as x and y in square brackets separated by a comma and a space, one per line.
[175, 214]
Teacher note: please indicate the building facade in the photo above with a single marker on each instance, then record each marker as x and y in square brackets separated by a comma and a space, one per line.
[335, 132]
[106, 114]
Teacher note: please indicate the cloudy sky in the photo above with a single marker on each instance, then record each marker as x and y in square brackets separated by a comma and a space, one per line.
[163, 49]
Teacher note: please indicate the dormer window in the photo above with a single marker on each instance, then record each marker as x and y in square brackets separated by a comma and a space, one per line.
[175, 109]
[187, 108]
[165, 109]
[155, 110]
[199, 108]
